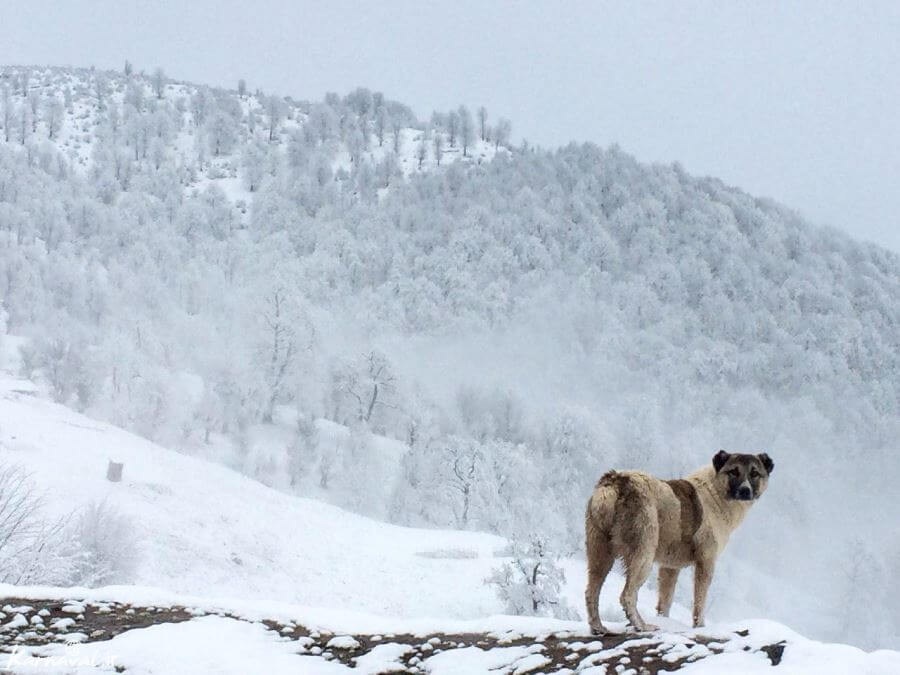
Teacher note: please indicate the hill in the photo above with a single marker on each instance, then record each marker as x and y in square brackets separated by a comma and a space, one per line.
[230, 273]
[237, 577]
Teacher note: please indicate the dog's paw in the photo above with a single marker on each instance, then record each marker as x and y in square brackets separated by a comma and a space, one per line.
[648, 628]
[598, 629]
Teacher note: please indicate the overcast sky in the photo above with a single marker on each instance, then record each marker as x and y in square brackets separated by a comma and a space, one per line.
[799, 101]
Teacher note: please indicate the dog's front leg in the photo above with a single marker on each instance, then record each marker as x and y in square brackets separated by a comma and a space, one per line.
[668, 577]
[703, 572]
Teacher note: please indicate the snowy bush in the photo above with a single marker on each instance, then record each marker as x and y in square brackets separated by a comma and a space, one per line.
[531, 583]
[32, 548]
[104, 547]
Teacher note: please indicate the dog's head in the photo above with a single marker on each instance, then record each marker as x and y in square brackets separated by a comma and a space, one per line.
[742, 477]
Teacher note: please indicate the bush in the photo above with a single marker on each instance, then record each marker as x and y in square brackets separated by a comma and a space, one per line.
[97, 547]
[105, 547]
[32, 549]
[530, 584]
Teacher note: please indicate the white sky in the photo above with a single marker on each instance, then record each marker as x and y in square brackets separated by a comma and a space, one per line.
[799, 101]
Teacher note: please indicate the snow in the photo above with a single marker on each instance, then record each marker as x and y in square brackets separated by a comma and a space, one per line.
[209, 644]
[475, 660]
[214, 541]
[209, 531]
[240, 643]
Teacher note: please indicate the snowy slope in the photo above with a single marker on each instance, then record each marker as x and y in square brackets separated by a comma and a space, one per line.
[216, 540]
[209, 530]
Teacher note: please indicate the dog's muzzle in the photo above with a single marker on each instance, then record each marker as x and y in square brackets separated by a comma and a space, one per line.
[744, 492]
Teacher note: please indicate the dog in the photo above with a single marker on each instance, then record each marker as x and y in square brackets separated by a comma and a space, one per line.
[641, 519]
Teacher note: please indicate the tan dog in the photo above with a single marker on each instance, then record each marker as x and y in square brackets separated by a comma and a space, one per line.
[642, 519]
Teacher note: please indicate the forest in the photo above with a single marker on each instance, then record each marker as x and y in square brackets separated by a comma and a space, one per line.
[427, 322]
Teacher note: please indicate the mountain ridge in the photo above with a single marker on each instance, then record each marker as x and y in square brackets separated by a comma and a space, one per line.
[185, 268]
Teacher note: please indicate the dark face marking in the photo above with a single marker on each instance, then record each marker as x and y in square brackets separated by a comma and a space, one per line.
[744, 477]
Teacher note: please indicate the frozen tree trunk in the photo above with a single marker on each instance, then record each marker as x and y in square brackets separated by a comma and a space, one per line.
[114, 471]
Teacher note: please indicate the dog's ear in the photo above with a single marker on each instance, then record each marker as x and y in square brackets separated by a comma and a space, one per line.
[767, 462]
[719, 460]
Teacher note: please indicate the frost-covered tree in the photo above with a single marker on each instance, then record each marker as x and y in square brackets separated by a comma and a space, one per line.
[530, 584]
[396, 124]
[34, 105]
[368, 385]
[422, 149]
[466, 129]
[382, 123]
[222, 133]
[482, 123]
[253, 162]
[437, 146]
[53, 116]
[453, 124]
[7, 112]
[158, 82]
[274, 115]
[286, 335]
[242, 88]
[502, 132]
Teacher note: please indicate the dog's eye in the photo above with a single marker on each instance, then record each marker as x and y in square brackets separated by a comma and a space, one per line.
[754, 474]
[734, 473]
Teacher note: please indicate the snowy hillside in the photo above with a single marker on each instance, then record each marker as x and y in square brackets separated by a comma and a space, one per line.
[206, 530]
[209, 135]
[236, 577]
[420, 323]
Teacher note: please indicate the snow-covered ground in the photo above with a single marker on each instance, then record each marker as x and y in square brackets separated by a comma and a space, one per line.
[214, 539]
[270, 637]
[207, 530]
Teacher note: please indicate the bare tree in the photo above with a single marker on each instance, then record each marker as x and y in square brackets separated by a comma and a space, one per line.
[502, 132]
[371, 386]
[26, 539]
[422, 149]
[381, 124]
[482, 122]
[466, 129]
[158, 82]
[275, 111]
[34, 104]
[22, 123]
[53, 112]
[282, 320]
[19, 508]
[7, 111]
[452, 127]
[460, 459]
[100, 91]
[397, 133]
[438, 145]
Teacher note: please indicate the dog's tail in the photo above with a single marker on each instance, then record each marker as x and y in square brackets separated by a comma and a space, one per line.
[601, 508]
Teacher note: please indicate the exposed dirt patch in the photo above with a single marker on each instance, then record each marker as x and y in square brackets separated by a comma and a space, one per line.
[35, 623]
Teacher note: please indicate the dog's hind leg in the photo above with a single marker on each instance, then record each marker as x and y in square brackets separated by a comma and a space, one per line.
[641, 536]
[667, 578]
[600, 560]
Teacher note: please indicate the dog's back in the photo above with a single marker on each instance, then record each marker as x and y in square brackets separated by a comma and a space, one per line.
[680, 522]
